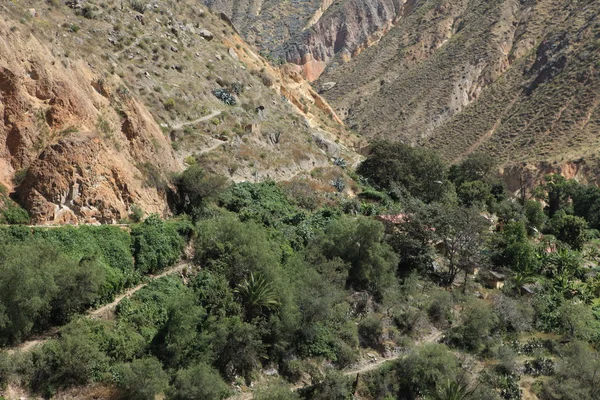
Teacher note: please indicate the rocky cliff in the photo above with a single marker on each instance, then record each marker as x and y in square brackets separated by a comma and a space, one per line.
[102, 103]
[311, 34]
[63, 138]
[342, 30]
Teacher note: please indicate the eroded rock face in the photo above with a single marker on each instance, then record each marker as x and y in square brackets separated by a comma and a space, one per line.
[81, 158]
[347, 30]
[311, 33]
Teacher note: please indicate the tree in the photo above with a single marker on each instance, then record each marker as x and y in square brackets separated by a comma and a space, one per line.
[401, 168]
[555, 191]
[512, 249]
[534, 213]
[474, 193]
[476, 167]
[578, 321]
[196, 187]
[142, 379]
[238, 347]
[199, 381]
[27, 287]
[177, 341]
[235, 249]
[569, 229]
[411, 239]
[461, 231]
[359, 241]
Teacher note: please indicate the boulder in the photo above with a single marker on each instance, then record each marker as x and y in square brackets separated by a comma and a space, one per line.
[206, 34]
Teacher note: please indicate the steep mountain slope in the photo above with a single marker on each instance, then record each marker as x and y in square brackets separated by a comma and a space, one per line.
[517, 79]
[269, 23]
[310, 34]
[103, 100]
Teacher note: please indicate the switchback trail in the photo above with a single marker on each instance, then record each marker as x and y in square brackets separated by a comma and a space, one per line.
[104, 312]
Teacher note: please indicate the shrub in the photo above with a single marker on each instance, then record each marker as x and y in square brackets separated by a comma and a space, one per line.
[155, 244]
[199, 381]
[74, 359]
[370, 331]
[169, 104]
[142, 379]
[137, 6]
[15, 215]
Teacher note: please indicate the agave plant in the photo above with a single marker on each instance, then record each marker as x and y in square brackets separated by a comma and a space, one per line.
[257, 294]
[452, 390]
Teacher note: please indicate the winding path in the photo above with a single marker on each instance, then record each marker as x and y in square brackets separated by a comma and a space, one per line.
[104, 312]
[433, 337]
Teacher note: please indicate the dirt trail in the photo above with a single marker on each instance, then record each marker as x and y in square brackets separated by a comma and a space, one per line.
[433, 337]
[104, 312]
[180, 125]
[132, 45]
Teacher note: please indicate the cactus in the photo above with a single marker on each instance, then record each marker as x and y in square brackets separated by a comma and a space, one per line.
[340, 162]
[339, 184]
[225, 96]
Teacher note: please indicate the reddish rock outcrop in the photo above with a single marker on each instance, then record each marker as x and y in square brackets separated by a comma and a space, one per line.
[78, 140]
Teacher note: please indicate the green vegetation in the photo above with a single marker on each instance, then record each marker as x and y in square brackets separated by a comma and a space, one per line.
[311, 292]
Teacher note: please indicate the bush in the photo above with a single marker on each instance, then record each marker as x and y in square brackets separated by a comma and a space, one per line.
[478, 320]
[74, 359]
[335, 386]
[155, 245]
[142, 379]
[440, 308]
[370, 331]
[15, 215]
[169, 104]
[199, 381]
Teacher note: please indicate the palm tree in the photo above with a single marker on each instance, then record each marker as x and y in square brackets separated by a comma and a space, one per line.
[452, 390]
[522, 278]
[257, 294]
